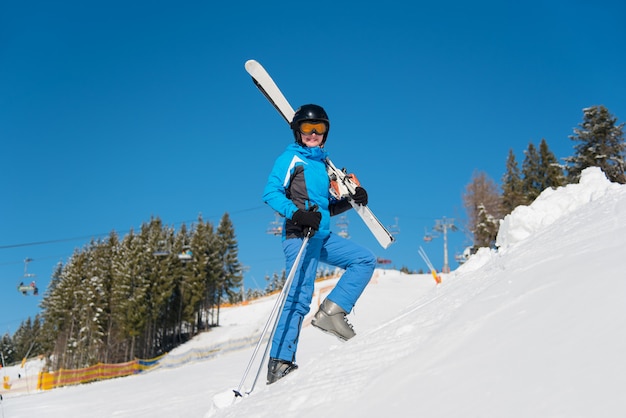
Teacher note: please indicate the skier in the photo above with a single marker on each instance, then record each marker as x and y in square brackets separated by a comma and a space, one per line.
[298, 189]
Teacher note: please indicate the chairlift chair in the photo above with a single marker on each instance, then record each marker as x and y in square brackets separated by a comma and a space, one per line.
[394, 229]
[342, 223]
[32, 287]
[275, 230]
[185, 254]
[26, 288]
[428, 236]
[162, 250]
[276, 226]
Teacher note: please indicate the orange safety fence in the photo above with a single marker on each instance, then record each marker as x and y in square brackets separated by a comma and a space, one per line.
[100, 371]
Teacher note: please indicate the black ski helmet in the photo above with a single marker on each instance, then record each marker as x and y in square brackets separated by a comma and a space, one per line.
[309, 112]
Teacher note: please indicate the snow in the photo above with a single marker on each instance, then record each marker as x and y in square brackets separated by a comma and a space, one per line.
[551, 205]
[535, 329]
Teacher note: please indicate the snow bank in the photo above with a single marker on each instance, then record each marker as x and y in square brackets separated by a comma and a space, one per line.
[551, 205]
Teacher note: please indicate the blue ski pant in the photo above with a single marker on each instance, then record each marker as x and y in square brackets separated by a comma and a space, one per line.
[358, 263]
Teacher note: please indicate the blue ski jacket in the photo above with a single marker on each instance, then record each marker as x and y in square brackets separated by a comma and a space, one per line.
[299, 180]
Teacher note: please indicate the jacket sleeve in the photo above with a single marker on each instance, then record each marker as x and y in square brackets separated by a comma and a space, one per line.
[337, 207]
[275, 192]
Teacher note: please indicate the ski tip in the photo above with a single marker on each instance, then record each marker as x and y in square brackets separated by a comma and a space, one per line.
[251, 63]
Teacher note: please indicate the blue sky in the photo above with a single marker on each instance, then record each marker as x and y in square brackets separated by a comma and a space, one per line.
[113, 112]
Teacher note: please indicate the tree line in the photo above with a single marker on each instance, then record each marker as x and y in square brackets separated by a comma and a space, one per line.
[137, 296]
[599, 142]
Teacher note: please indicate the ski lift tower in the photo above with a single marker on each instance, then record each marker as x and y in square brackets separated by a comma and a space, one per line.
[443, 225]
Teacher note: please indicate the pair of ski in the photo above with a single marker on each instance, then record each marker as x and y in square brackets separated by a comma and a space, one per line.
[345, 182]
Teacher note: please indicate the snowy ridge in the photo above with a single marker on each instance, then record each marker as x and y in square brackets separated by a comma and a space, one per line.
[533, 330]
[553, 204]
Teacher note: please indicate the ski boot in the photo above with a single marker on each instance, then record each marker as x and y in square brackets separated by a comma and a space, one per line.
[277, 369]
[332, 319]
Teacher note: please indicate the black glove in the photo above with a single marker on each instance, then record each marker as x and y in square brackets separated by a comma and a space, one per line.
[360, 196]
[307, 219]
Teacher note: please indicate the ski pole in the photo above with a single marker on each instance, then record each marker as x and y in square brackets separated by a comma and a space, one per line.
[282, 305]
[278, 307]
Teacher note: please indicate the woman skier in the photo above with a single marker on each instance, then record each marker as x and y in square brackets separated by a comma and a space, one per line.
[298, 188]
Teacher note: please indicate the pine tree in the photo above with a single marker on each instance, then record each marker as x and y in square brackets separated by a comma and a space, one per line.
[27, 340]
[190, 284]
[130, 293]
[599, 143]
[113, 341]
[213, 276]
[7, 348]
[164, 289]
[94, 312]
[530, 170]
[202, 244]
[231, 275]
[512, 186]
[276, 282]
[550, 171]
[486, 228]
[52, 314]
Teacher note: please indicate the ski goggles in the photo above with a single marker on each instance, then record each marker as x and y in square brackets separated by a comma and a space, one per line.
[308, 128]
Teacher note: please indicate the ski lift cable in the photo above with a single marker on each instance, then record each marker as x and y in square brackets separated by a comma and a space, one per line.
[55, 241]
[92, 236]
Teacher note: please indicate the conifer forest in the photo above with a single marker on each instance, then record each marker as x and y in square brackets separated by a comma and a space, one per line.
[135, 296]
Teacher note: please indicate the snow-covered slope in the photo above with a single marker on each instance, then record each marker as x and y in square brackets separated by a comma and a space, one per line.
[535, 329]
